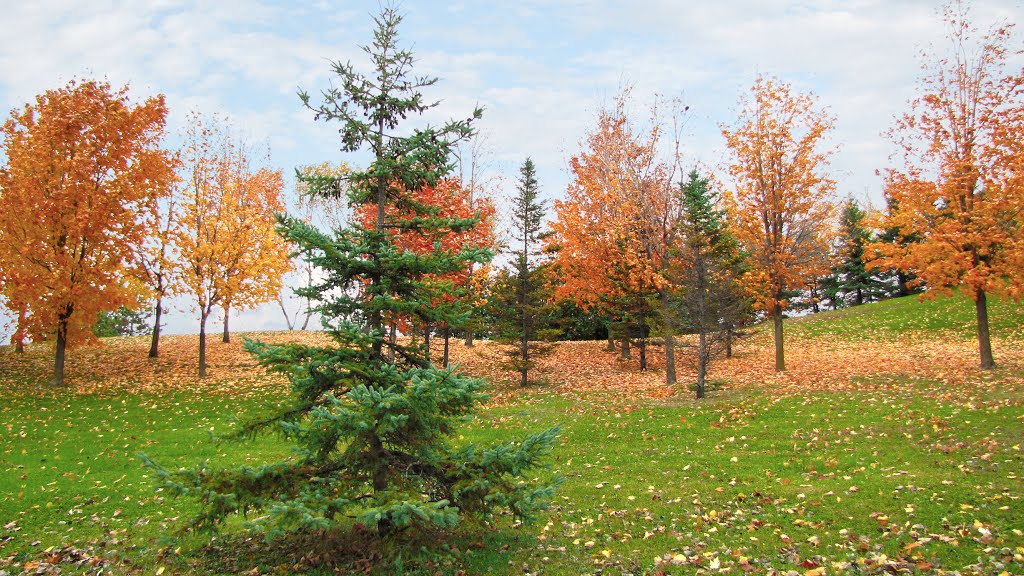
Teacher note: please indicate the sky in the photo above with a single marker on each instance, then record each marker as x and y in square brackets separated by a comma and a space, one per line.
[541, 69]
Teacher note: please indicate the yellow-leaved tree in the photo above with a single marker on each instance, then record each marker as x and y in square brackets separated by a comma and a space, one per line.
[232, 256]
[83, 163]
[960, 190]
[781, 197]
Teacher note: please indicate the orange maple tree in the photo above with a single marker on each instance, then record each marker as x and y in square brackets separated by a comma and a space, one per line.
[781, 200]
[231, 253]
[83, 162]
[613, 230]
[961, 189]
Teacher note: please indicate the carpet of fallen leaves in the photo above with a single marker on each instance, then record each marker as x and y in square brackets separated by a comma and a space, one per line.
[946, 366]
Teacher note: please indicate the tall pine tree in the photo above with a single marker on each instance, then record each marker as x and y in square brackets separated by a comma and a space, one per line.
[373, 436]
[521, 294]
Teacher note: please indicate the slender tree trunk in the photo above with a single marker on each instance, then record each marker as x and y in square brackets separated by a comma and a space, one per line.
[202, 343]
[780, 356]
[287, 319]
[227, 314]
[469, 337]
[643, 353]
[524, 355]
[18, 338]
[62, 344]
[728, 340]
[154, 343]
[670, 341]
[626, 353]
[447, 338]
[611, 341]
[392, 341]
[426, 341]
[702, 363]
[984, 342]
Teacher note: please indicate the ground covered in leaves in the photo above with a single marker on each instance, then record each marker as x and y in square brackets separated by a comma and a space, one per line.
[882, 450]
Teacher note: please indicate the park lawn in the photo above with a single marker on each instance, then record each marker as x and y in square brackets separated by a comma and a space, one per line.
[881, 473]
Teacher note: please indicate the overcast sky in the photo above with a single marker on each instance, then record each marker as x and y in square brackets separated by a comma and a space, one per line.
[540, 68]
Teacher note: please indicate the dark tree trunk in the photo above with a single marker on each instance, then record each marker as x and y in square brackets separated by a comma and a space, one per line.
[18, 339]
[780, 356]
[728, 340]
[469, 337]
[447, 339]
[524, 355]
[426, 341]
[984, 342]
[611, 342]
[702, 364]
[380, 479]
[62, 344]
[227, 314]
[392, 341]
[626, 353]
[154, 343]
[202, 344]
[670, 342]
[643, 353]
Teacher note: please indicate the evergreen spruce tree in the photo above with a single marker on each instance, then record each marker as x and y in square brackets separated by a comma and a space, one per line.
[373, 435]
[708, 268]
[521, 294]
[851, 283]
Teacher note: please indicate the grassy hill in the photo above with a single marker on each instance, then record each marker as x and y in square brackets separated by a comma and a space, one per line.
[882, 450]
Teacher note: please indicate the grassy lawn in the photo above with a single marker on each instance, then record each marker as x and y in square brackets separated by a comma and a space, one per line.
[886, 477]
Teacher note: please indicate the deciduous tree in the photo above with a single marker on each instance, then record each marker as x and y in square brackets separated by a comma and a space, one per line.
[231, 255]
[782, 196]
[82, 165]
[959, 189]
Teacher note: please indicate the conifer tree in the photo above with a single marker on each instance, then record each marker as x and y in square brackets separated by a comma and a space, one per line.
[373, 436]
[850, 282]
[521, 294]
[708, 267]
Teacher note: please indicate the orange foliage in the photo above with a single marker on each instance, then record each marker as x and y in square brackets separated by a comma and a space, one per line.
[962, 189]
[612, 230]
[83, 165]
[781, 199]
[452, 201]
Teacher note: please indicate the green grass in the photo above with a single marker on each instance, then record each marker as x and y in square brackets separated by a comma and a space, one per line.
[786, 483]
[952, 316]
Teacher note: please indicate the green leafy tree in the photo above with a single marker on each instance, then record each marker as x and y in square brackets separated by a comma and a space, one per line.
[707, 268]
[374, 437]
[522, 293]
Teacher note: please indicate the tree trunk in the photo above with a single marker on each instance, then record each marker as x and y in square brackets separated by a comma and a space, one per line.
[984, 342]
[780, 356]
[626, 353]
[202, 344]
[643, 353]
[447, 338]
[611, 342]
[62, 343]
[392, 341]
[18, 339]
[728, 340]
[380, 479]
[154, 343]
[426, 341]
[227, 314]
[524, 355]
[702, 364]
[670, 342]
[469, 337]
